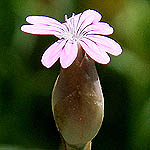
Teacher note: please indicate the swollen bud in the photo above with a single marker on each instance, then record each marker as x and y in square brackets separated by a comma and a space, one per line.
[77, 103]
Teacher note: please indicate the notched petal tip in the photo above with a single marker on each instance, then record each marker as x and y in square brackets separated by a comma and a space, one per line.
[119, 51]
[44, 63]
[47, 63]
[96, 14]
[23, 28]
[28, 29]
[28, 18]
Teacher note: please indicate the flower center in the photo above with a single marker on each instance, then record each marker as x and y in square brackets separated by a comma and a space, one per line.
[72, 31]
[69, 36]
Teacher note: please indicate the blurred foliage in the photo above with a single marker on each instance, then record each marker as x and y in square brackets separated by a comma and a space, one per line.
[25, 85]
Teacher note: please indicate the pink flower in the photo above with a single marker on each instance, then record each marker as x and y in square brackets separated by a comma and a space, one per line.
[83, 29]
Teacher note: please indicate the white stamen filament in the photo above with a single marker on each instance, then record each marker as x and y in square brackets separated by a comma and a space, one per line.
[72, 30]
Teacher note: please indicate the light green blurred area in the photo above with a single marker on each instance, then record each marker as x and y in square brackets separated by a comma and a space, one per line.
[26, 119]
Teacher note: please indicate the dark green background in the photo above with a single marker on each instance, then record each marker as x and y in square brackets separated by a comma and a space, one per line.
[26, 120]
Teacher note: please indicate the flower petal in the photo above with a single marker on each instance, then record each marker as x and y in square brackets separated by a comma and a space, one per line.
[42, 20]
[89, 12]
[110, 45]
[41, 29]
[52, 54]
[69, 54]
[88, 17]
[100, 28]
[99, 55]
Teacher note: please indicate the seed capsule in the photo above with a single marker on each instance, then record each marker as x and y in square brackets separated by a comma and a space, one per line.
[77, 102]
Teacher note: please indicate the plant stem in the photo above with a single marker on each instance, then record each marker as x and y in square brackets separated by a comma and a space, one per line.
[85, 147]
[65, 146]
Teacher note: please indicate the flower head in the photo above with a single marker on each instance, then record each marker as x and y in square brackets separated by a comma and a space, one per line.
[83, 29]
